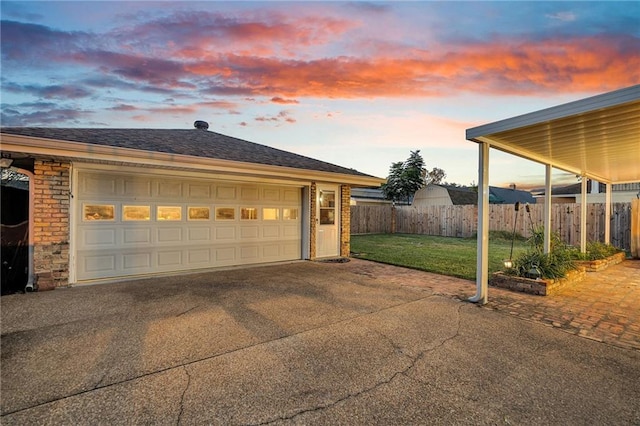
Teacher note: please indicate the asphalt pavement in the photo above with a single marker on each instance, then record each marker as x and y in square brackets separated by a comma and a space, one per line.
[299, 343]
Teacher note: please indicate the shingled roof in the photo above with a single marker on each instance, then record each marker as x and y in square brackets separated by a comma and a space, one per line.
[461, 195]
[191, 142]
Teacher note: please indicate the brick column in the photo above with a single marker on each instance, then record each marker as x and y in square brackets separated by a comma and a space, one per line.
[313, 225]
[345, 220]
[51, 194]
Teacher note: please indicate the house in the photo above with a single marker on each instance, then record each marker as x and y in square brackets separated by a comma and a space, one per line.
[368, 197]
[373, 197]
[111, 204]
[447, 195]
[620, 193]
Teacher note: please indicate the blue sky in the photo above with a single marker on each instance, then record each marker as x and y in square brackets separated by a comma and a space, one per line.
[359, 84]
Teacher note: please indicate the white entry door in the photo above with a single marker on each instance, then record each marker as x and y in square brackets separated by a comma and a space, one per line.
[328, 215]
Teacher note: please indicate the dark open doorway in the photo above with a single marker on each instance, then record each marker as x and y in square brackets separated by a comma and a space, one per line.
[14, 218]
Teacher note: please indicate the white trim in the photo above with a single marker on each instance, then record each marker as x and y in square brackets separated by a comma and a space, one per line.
[73, 175]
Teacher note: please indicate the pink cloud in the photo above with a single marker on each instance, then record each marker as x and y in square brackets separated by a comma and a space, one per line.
[225, 56]
[500, 66]
[279, 100]
[198, 34]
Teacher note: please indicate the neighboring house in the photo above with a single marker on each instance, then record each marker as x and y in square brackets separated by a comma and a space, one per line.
[372, 197]
[620, 193]
[445, 195]
[368, 197]
[111, 204]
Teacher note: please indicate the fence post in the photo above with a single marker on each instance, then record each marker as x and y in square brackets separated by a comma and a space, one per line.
[635, 228]
[393, 219]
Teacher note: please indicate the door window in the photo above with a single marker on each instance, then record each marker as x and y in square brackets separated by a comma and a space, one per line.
[327, 207]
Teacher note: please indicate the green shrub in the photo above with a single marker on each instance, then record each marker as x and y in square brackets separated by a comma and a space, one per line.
[554, 264]
[598, 250]
[549, 265]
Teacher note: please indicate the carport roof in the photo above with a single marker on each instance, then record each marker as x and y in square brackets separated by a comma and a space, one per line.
[596, 137]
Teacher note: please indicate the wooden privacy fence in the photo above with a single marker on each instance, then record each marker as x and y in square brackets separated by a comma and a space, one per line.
[462, 221]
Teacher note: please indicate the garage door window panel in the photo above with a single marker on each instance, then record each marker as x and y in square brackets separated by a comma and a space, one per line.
[94, 212]
[199, 213]
[171, 213]
[130, 213]
[248, 213]
[225, 213]
[270, 213]
[290, 214]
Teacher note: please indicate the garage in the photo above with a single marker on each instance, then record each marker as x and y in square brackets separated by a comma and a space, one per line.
[132, 223]
[112, 204]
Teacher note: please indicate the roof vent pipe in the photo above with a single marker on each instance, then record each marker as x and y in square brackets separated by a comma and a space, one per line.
[201, 125]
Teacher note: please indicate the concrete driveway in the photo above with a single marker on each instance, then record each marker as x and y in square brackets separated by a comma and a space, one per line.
[300, 343]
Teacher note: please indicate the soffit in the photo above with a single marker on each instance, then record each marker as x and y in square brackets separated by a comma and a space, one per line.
[597, 137]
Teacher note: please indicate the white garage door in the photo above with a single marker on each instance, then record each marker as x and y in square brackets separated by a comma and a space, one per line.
[131, 224]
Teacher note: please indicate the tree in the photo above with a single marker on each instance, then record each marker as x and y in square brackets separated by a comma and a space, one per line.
[436, 176]
[393, 189]
[415, 174]
[405, 178]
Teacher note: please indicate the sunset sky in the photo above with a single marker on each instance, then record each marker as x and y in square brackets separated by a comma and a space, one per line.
[359, 84]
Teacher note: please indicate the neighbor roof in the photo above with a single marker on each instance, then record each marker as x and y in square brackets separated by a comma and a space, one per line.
[509, 196]
[596, 137]
[190, 142]
[461, 195]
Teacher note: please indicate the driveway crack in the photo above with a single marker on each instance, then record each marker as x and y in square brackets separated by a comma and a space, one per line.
[403, 372]
[188, 310]
[184, 392]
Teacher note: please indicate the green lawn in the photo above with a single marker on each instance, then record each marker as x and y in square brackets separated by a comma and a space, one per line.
[442, 255]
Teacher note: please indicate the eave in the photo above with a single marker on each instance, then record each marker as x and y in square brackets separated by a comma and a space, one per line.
[74, 151]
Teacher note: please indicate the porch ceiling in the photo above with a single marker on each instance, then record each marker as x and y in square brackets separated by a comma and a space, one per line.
[596, 137]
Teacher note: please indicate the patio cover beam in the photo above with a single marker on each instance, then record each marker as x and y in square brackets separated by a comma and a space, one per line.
[583, 214]
[607, 214]
[482, 257]
[547, 208]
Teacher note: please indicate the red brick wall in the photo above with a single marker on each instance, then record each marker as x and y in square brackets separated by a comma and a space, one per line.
[51, 192]
[345, 220]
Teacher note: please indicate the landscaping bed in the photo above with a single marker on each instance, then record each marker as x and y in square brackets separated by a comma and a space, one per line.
[538, 286]
[601, 264]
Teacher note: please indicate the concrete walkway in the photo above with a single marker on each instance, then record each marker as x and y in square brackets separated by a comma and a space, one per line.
[303, 343]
